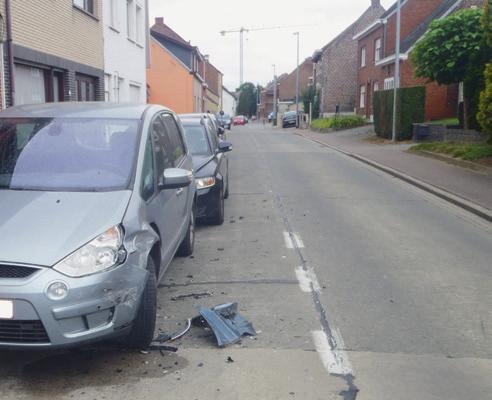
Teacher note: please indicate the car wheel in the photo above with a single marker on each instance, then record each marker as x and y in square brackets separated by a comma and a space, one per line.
[142, 332]
[218, 218]
[188, 244]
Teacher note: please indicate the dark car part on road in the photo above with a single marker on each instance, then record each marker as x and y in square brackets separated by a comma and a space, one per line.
[226, 323]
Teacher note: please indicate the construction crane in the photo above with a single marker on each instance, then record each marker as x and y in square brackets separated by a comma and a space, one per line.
[241, 31]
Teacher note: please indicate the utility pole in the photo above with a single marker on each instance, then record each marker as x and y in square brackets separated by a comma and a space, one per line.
[397, 67]
[297, 82]
[274, 95]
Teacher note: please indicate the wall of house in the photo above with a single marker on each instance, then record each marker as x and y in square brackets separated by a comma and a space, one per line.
[338, 65]
[124, 60]
[60, 29]
[170, 82]
[228, 103]
[197, 94]
[287, 87]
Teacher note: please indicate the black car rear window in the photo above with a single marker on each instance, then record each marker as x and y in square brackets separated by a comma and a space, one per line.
[196, 137]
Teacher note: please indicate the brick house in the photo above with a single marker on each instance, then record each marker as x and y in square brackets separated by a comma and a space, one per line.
[336, 65]
[186, 54]
[376, 56]
[287, 86]
[267, 95]
[56, 53]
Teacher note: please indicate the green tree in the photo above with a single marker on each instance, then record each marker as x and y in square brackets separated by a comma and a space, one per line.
[450, 53]
[247, 102]
[310, 95]
[485, 112]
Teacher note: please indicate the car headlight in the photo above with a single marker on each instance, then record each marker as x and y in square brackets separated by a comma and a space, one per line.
[203, 183]
[100, 254]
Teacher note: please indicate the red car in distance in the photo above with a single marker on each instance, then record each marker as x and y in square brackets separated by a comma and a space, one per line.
[240, 120]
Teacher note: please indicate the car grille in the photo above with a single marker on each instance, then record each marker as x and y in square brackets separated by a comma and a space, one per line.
[23, 332]
[16, 271]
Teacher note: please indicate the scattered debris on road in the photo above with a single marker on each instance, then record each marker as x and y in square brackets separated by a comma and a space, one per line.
[195, 296]
[229, 360]
[226, 323]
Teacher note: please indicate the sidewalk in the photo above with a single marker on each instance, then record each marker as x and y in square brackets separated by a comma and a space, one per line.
[474, 186]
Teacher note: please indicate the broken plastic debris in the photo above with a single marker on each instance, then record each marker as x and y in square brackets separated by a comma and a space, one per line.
[226, 323]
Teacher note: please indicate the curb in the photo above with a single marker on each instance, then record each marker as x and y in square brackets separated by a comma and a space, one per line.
[450, 160]
[461, 202]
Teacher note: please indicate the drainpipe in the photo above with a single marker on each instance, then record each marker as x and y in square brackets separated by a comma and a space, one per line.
[10, 50]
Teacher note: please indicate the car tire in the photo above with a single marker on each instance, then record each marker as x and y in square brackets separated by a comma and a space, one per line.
[142, 332]
[218, 218]
[226, 193]
[188, 244]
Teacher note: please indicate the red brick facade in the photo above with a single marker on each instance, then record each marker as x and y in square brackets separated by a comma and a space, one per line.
[337, 65]
[441, 101]
[287, 86]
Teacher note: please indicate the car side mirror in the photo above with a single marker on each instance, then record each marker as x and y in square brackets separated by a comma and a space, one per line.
[224, 147]
[176, 178]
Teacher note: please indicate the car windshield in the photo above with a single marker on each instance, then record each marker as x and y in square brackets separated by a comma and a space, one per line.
[67, 154]
[197, 140]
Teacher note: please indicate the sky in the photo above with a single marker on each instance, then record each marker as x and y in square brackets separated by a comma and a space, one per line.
[200, 22]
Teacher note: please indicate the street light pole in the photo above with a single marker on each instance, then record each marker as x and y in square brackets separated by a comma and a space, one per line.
[241, 55]
[297, 82]
[396, 83]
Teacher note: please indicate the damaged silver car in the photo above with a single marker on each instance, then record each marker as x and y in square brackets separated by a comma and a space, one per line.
[95, 201]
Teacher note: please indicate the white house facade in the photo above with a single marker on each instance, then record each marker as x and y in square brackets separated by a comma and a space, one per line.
[125, 50]
[228, 102]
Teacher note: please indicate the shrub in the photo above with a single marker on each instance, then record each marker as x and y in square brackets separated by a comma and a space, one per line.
[410, 109]
[338, 123]
[485, 114]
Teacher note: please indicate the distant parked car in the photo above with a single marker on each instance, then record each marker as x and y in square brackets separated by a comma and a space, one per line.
[225, 120]
[271, 116]
[96, 200]
[212, 120]
[240, 120]
[211, 167]
[289, 119]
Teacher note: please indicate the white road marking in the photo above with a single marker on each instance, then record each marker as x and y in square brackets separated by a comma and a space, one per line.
[293, 241]
[334, 360]
[308, 281]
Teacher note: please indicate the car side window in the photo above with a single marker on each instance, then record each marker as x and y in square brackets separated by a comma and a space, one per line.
[214, 140]
[177, 149]
[147, 188]
[161, 146]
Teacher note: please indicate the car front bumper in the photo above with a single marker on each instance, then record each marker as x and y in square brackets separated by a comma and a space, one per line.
[96, 307]
[207, 202]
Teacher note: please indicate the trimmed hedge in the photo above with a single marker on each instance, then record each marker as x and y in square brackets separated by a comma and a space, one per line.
[409, 100]
[338, 123]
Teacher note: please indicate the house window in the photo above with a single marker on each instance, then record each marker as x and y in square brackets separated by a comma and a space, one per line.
[139, 20]
[113, 13]
[389, 83]
[363, 57]
[30, 85]
[130, 19]
[377, 50]
[86, 88]
[376, 86]
[362, 102]
[86, 5]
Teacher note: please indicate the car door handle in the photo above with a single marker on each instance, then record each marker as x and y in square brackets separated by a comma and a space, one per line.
[179, 192]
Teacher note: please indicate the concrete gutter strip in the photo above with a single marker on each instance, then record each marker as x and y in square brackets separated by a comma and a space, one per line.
[441, 193]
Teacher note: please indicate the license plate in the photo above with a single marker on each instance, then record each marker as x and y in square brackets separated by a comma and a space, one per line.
[6, 309]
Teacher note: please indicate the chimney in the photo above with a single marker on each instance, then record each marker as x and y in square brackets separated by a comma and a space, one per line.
[375, 3]
[159, 21]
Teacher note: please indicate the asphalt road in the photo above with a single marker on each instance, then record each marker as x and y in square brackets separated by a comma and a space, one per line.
[359, 285]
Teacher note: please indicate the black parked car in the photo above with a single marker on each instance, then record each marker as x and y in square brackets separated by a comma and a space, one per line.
[289, 119]
[211, 168]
